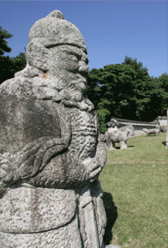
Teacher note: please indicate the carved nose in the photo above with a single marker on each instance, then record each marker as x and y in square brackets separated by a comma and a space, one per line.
[83, 70]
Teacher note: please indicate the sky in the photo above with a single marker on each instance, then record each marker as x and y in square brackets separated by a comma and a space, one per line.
[111, 29]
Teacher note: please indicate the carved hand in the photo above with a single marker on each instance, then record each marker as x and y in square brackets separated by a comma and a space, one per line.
[92, 167]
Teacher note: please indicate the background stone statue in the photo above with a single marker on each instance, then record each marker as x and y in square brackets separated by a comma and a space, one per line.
[118, 135]
[162, 129]
[167, 131]
[51, 149]
[151, 131]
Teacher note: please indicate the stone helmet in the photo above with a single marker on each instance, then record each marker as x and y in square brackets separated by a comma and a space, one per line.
[53, 30]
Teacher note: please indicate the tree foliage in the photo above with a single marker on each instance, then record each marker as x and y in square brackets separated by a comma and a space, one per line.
[3, 43]
[127, 91]
[9, 66]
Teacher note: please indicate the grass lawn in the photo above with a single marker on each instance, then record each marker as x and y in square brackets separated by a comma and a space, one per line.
[135, 185]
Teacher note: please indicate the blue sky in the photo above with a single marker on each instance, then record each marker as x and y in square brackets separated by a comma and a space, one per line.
[112, 29]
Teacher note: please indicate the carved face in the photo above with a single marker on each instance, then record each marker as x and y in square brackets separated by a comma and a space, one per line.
[68, 67]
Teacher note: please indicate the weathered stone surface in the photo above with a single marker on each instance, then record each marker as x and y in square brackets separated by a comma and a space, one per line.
[152, 131]
[162, 129]
[36, 209]
[51, 150]
[118, 135]
[167, 131]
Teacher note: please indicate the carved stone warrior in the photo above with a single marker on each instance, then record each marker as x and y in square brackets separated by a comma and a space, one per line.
[51, 149]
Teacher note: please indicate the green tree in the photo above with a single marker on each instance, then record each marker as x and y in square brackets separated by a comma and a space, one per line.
[142, 88]
[164, 85]
[121, 90]
[3, 43]
[163, 79]
[5, 68]
[18, 62]
[9, 66]
[162, 94]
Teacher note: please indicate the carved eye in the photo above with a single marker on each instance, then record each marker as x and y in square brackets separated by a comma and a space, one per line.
[74, 56]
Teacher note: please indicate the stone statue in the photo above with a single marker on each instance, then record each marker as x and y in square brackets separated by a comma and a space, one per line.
[162, 129]
[51, 149]
[167, 131]
[151, 131]
[118, 135]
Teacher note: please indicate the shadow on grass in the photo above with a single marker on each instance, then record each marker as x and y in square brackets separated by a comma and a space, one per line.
[118, 147]
[111, 212]
[164, 143]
